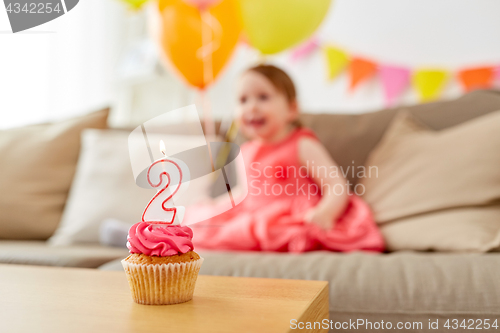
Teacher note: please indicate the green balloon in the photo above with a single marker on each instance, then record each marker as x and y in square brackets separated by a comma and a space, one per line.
[135, 4]
[275, 25]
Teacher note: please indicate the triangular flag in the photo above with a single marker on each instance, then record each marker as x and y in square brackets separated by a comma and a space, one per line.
[336, 59]
[429, 83]
[360, 70]
[305, 49]
[476, 78]
[395, 80]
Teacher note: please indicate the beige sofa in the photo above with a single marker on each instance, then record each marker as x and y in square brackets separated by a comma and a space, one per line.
[400, 286]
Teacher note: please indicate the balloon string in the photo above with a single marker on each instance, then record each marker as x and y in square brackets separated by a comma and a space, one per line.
[205, 51]
[209, 125]
[209, 46]
[210, 25]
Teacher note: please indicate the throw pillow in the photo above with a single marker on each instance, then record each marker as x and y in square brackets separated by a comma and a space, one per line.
[440, 190]
[104, 186]
[472, 229]
[420, 171]
[38, 163]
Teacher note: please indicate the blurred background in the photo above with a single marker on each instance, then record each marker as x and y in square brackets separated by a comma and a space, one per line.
[108, 53]
[68, 197]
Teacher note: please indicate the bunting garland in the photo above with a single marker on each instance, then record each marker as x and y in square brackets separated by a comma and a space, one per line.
[305, 49]
[476, 78]
[395, 80]
[360, 70]
[336, 59]
[428, 82]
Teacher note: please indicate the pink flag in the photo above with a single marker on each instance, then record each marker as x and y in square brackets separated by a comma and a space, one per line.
[395, 80]
[304, 49]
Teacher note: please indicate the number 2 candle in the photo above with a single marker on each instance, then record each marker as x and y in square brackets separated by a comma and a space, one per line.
[167, 175]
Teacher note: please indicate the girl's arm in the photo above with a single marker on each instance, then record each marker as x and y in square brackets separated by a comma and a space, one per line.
[333, 189]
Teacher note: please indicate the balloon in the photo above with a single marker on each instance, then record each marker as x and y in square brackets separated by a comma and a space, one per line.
[275, 25]
[202, 4]
[135, 4]
[182, 29]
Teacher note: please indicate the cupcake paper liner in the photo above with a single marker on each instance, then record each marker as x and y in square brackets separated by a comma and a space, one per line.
[162, 284]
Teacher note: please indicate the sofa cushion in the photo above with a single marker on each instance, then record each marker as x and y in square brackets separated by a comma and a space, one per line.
[350, 138]
[40, 253]
[436, 190]
[104, 186]
[38, 163]
[421, 170]
[471, 229]
[403, 286]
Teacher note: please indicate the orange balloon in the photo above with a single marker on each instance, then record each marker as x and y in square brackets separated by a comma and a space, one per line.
[183, 32]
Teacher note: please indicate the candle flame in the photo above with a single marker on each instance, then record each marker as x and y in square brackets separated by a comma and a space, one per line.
[162, 148]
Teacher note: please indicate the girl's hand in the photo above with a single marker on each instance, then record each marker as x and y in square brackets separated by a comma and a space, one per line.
[321, 217]
[332, 205]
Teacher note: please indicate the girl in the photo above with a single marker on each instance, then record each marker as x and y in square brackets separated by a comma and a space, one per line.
[292, 203]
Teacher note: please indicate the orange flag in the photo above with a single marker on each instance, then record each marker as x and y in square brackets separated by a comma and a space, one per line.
[360, 70]
[476, 78]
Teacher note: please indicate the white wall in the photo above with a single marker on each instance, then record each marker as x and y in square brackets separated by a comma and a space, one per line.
[61, 68]
[71, 65]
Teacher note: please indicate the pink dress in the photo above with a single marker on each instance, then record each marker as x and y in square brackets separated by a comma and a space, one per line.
[271, 217]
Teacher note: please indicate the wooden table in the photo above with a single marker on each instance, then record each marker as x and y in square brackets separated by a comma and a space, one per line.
[70, 300]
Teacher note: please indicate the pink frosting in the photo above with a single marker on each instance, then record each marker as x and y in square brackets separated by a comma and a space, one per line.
[159, 241]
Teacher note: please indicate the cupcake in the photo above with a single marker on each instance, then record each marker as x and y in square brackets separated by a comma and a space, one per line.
[162, 267]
